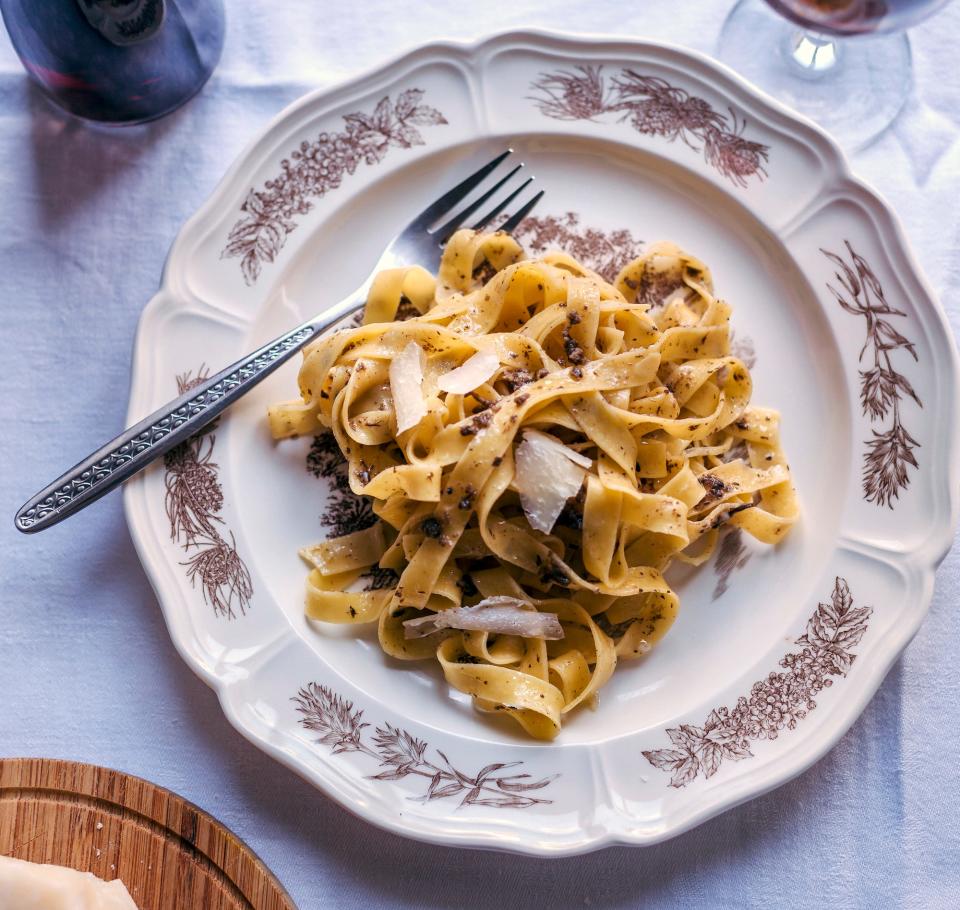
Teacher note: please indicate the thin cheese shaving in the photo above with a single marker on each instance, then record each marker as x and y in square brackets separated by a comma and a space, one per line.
[406, 387]
[546, 477]
[498, 615]
[471, 374]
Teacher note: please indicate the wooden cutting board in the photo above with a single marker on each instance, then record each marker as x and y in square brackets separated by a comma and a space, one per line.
[169, 854]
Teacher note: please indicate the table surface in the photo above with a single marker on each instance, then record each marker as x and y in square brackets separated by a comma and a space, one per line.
[87, 670]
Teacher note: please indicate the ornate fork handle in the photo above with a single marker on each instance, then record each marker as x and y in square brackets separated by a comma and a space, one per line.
[139, 445]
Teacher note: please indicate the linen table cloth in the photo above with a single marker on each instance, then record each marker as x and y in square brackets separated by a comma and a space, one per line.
[87, 671]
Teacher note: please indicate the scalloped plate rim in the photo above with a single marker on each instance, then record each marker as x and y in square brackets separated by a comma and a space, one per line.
[922, 560]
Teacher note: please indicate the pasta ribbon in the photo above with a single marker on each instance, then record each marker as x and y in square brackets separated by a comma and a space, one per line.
[626, 399]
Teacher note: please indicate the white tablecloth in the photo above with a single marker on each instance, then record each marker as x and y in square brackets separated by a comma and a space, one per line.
[86, 668]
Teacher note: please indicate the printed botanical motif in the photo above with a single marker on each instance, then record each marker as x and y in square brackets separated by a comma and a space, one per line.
[315, 168]
[194, 499]
[776, 703]
[882, 388]
[654, 107]
[606, 252]
[401, 755]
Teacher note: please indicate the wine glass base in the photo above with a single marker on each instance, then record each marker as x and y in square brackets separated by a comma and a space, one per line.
[853, 87]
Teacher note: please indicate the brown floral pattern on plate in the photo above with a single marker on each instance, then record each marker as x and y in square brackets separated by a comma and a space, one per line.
[776, 703]
[882, 388]
[606, 252]
[315, 168]
[401, 754]
[193, 501]
[654, 107]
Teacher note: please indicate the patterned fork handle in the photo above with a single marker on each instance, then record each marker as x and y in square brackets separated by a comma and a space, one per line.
[170, 425]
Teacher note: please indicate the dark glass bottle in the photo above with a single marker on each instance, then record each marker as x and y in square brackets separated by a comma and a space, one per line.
[117, 61]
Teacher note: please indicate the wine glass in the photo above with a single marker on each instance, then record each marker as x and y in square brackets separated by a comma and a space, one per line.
[844, 63]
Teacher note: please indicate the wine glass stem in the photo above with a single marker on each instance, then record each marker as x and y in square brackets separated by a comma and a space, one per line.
[811, 54]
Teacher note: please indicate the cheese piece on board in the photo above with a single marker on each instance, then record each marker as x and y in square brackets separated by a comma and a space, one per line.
[36, 886]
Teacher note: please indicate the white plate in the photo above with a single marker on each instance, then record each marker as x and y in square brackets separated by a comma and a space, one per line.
[734, 701]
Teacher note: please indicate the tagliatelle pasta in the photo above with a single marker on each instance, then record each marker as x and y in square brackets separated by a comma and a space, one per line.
[559, 445]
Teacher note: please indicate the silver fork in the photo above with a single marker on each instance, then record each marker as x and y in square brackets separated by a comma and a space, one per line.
[178, 420]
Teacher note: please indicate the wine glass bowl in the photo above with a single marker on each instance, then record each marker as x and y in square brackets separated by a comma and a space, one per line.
[845, 18]
[844, 63]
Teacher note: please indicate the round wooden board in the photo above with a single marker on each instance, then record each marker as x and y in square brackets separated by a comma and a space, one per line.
[169, 854]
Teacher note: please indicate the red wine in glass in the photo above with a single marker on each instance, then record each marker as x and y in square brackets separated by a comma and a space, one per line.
[844, 63]
[117, 61]
[855, 17]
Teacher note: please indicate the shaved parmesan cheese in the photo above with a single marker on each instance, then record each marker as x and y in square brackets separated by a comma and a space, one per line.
[474, 372]
[566, 451]
[498, 615]
[406, 387]
[41, 886]
[548, 473]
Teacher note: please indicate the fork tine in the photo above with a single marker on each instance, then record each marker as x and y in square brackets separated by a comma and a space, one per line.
[500, 206]
[511, 223]
[443, 233]
[448, 200]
